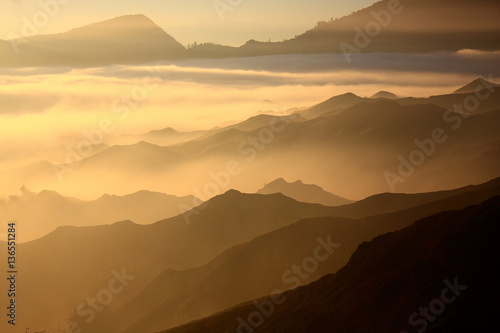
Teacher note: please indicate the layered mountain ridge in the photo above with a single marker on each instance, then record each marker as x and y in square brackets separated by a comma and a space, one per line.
[135, 39]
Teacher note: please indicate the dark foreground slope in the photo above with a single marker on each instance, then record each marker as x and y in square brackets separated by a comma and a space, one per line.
[71, 264]
[251, 270]
[437, 275]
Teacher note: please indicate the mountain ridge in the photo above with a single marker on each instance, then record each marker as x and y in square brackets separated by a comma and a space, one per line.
[408, 262]
[326, 37]
[127, 39]
[42, 212]
[476, 85]
[351, 232]
[171, 243]
[303, 192]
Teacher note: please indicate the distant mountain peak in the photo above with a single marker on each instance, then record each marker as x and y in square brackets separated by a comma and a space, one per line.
[480, 82]
[251, 42]
[232, 192]
[349, 94]
[121, 40]
[49, 193]
[133, 17]
[122, 22]
[167, 130]
[123, 223]
[281, 181]
[344, 98]
[278, 181]
[303, 192]
[384, 94]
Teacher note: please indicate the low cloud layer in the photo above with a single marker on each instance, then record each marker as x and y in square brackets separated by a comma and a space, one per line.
[19, 103]
[40, 106]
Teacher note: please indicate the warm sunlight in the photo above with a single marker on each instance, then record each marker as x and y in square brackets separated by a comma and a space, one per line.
[249, 166]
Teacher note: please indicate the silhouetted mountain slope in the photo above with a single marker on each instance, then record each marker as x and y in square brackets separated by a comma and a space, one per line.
[231, 279]
[303, 192]
[262, 121]
[392, 132]
[122, 40]
[86, 256]
[406, 33]
[142, 207]
[56, 153]
[401, 30]
[136, 39]
[42, 213]
[486, 93]
[139, 156]
[253, 268]
[236, 133]
[384, 94]
[473, 86]
[166, 285]
[446, 262]
[164, 137]
[392, 202]
[339, 102]
[350, 149]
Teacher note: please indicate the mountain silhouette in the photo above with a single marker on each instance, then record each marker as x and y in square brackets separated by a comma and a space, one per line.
[220, 253]
[41, 213]
[340, 102]
[127, 39]
[473, 86]
[399, 31]
[388, 280]
[181, 242]
[163, 137]
[303, 192]
[384, 94]
[175, 244]
[235, 275]
[457, 98]
[406, 25]
[136, 39]
[358, 143]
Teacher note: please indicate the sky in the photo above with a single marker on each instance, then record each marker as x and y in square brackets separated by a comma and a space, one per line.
[228, 22]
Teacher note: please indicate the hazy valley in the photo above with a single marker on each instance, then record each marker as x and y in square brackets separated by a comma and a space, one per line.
[343, 179]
